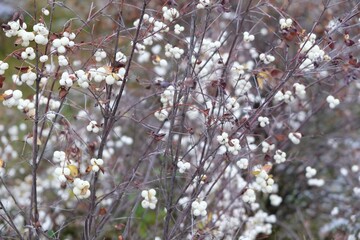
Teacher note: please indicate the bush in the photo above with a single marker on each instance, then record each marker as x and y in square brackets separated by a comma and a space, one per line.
[181, 120]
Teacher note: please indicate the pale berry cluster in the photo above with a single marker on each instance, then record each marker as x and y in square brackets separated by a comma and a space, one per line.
[45, 11]
[203, 4]
[67, 170]
[287, 97]
[14, 28]
[316, 182]
[263, 182]
[27, 107]
[295, 137]
[275, 200]
[3, 67]
[166, 99]
[96, 164]
[243, 163]
[198, 208]
[267, 147]
[249, 196]
[280, 156]
[43, 58]
[150, 199]
[266, 58]
[99, 55]
[332, 101]
[29, 78]
[120, 57]
[285, 23]
[42, 33]
[97, 74]
[171, 51]
[248, 37]
[310, 172]
[178, 29]
[11, 98]
[232, 104]
[63, 62]
[66, 79]
[170, 14]
[60, 44]
[93, 127]
[26, 37]
[82, 78]
[183, 166]
[62, 173]
[263, 121]
[59, 156]
[29, 54]
[161, 114]
[231, 145]
[81, 188]
[312, 51]
[223, 138]
[261, 222]
[300, 90]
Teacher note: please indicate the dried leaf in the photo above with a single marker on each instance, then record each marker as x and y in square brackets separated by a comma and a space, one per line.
[18, 41]
[276, 73]
[74, 171]
[280, 137]
[102, 211]
[2, 79]
[23, 69]
[88, 169]
[5, 27]
[156, 136]
[267, 168]
[38, 141]
[62, 93]
[349, 42]
[262, 77]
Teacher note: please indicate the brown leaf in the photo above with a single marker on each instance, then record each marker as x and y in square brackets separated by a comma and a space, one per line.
[2, 79]
[62, 93]
[280, 137]
[2, 164]
[17, 55]
[5, 27]
[88, 169]
[18, 41]
[102, 211]
[156, 136]
[276, 73]
[267, 168]
[331, 44]
[22, 69]
[349, 42]
[353, 61]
